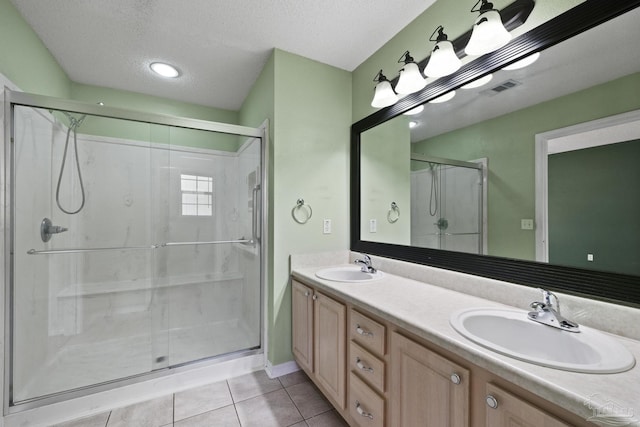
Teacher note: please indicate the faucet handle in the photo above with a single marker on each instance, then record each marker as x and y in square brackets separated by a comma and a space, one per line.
[548, 302]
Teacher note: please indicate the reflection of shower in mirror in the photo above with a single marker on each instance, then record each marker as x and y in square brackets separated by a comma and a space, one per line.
[446, 204]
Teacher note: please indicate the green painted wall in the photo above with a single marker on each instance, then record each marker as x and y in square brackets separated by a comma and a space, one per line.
[308, 158]
[25, 60]
[509, 144]
[310, 161]
[456, 18]
[594, 206]
[384, 170]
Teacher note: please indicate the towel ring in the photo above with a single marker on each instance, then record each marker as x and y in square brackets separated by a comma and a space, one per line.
[394, 210]
[297, 207]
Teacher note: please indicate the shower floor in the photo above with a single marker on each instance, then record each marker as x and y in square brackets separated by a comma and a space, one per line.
[95, 356]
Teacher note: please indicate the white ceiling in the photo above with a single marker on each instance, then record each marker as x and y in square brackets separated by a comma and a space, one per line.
[220, 46]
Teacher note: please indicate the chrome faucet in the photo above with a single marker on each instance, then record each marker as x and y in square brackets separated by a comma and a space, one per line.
[548, 313]
[367, 267]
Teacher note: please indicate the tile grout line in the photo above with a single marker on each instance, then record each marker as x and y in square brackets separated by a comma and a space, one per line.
[235, 409]
[294, 404]
[108, 418]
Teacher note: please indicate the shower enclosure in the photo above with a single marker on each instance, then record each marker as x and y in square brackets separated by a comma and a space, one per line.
[447, 204]
[132, 245]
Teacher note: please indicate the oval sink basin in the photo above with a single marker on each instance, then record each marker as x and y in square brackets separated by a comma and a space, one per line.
[348, 274]
[511, 333]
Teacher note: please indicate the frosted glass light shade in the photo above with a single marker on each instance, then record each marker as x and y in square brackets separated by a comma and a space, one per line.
[488, 34]
[443, 60]
[525, 62]
[480, 82]
[410, 80]
[443, 98]
[384, 95]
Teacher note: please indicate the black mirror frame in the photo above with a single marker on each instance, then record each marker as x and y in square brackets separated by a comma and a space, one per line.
[613, 287]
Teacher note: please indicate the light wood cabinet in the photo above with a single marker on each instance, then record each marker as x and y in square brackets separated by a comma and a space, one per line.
[426, 389]
[329, 339]
[505, 410]
[302, 314]
[396, 379]
[318, 341]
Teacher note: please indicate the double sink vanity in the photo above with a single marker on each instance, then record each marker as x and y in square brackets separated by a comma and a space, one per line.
[408, 345]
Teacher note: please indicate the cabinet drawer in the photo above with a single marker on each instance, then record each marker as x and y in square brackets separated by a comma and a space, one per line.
[367, 332]
[367, 366]
[365, 406]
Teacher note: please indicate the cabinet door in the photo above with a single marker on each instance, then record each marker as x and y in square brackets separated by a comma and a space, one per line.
[426, 389]
[330, 353]
[302, 319]
[505, 409]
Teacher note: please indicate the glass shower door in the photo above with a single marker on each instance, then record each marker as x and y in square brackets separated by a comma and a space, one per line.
[136, 247]
[208, 272]
[83, 302]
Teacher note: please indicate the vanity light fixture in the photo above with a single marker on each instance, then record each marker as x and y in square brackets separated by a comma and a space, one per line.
[443, 98]
[479, 82]
[524, 62]
[419, 109]
[411, 79]
[488, 32]
[384, 95]
[165, 70]
[412, 124]
[443, 60]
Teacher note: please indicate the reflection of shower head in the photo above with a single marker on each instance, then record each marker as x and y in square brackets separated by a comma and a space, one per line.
[73, 122]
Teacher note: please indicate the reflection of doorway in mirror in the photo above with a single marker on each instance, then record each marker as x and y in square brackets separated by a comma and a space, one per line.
[587, 202]
[448, 199]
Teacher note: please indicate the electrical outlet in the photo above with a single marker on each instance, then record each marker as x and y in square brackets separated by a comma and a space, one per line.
[526, 224]
[589, 257]
[326, 226]
[373, 226]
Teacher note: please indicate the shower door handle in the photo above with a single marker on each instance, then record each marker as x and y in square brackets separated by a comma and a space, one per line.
[255, 217]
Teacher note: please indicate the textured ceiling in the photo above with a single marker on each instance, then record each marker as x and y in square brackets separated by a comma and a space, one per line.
[220, 46]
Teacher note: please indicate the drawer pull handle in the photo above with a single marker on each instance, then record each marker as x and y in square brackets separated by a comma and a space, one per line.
[492, 402]
[362, 411]
[455, 378]
[361, 366]
[362, 332]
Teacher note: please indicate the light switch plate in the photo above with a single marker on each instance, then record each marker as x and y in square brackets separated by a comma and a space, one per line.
[526, 224]
[326, 226]
[373, 226]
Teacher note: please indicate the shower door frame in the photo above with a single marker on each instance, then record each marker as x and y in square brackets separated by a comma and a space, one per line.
[7, 183]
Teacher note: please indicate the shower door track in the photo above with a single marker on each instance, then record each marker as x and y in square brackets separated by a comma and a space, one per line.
[14, 99]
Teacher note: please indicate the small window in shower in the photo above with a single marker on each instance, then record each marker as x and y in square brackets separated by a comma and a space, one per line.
[197, 195]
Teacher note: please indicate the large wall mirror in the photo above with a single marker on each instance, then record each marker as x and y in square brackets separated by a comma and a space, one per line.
[532, 177]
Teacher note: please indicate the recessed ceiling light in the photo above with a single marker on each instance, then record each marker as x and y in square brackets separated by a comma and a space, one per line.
[415, 111]
[444, 98]
[165, 70]
[523, 62]
[480, 82]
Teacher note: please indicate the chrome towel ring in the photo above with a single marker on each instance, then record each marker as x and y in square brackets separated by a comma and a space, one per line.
[299, 207]
[394, 213]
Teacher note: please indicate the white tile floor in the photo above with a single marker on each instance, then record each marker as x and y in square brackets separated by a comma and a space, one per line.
[246, 401]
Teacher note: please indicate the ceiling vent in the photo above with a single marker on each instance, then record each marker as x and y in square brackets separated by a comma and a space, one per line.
[506, 85]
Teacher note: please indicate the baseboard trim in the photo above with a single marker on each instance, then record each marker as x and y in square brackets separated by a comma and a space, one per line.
[275, 371]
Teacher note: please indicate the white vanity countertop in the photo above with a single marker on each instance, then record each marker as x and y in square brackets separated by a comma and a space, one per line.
[425, 309]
